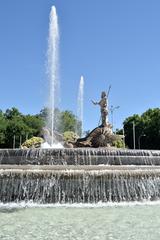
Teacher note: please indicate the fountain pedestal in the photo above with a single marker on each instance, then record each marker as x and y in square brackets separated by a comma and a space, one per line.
[101, 136]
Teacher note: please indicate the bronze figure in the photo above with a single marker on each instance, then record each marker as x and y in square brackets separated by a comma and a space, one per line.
[104, 108]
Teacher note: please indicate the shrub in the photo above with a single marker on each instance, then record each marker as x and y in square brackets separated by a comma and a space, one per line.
[69, 136]
[34, 142]
[119, 143]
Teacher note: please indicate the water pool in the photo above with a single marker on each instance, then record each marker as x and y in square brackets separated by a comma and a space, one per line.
[88, 222]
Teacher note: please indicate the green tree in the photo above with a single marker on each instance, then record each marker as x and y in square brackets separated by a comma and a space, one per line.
[11, 113]
[64, 121]
[147, 126]
[34, 123]
[15, 126]
[3, 125]
[67, 122]
[151, 119]
[128, 129]
[43, 113]
[17, 129]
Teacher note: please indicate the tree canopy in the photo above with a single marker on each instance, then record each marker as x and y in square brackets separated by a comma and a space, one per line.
[16, 127]
[147, 130]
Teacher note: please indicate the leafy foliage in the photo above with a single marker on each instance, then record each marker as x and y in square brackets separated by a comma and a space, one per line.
[69, 136]
[3, 125]
[33, 142]
[67, 122]
[119, 143]
[16, 127]
[147, 130]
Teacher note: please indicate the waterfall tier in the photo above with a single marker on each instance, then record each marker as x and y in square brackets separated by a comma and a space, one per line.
[79, 175]
[51, 184]
[80, 156]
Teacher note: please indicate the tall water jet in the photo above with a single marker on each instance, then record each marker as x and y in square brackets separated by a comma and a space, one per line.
[80, 105]
[52, 70]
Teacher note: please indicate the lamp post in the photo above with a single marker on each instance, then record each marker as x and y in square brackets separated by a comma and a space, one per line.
[14, 141]
[134, 138]
[26, 136]
[112, 109]
[139, 140]
[20, 141]
[124, 137]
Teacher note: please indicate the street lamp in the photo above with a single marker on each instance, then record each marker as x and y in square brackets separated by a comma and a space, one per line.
[124, 137]
[139, 140]
[134, 137]
[112, 110]
[14, 141]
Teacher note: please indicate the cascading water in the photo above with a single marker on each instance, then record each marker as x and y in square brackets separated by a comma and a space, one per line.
[80, 156]
[52, 70]
[80, 105]
[78, 185]
[76, 175]
[79, 175]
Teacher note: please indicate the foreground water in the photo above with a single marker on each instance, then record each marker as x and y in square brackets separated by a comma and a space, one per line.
[118, 222]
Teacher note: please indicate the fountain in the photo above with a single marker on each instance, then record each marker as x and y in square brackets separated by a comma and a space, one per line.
[80, 104]
[79, 175]
[72, 193]
[91, 172]
[52, 70]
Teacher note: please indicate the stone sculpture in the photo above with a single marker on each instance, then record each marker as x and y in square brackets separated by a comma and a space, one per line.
[101, 136]
[104, 108]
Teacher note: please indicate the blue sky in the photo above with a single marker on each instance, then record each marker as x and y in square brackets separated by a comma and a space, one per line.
[109, 42]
